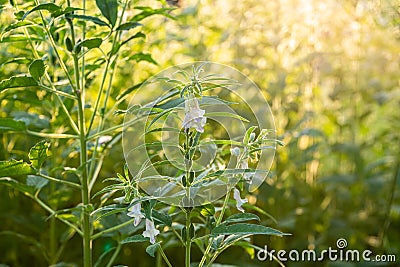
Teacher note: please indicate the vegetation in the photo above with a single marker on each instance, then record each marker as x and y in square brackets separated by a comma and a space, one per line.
[68, 70]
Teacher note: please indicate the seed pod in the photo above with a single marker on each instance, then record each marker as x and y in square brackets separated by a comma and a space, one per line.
[78, 48]
[192, 232]
[183, 233]
[184, 183]
[68, 44]
[191, 177]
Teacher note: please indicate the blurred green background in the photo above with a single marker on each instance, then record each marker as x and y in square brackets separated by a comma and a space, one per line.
[330, 71]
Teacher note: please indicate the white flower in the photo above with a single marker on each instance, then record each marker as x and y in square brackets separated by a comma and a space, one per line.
[104, 139]
[244, 164]
[119, 200]
[239, 201]
[194, 116]
[252, 137]
[151, 231]
[134, 212]
[235, 151]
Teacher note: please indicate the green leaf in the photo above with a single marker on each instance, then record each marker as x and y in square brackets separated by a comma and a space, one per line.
[19, 38]
[106, 211]
[37, 69]
[128, 25]
[17, 81]
[134, 239]
[246, 137]
[14, 167]
[38, 154]
[18, 15]
[225, 114]
[148, 11]
[207, 210]
[151, 250]
[11, 125]
[28, 190]
[161, 217]
[171, 103]
[67, 11]
[245, 229]
[16, 25]
[143, 57]
[117, 47]
[95, 20]
[89, 43]
[52, 8]
[159, 115]
[36, 181]
[109, 9]
[128, 91]
[241, 217]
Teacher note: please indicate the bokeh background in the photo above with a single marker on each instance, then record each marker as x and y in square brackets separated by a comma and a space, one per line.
[330, 71]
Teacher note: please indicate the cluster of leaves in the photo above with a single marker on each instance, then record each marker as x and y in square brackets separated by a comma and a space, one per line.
[330, 71]
[48, 96]
[58, 68]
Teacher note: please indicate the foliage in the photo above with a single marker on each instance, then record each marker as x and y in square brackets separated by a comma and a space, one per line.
[329, 70]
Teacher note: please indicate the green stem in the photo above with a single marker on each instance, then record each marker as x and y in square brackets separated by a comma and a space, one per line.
[53, 44]
[188, 240]
[221, 215]
[386, 224]
[106, 71]
[74, 185]
[177, 235]
[164, 256]
[52, 135]
[55, 91]
[108, 230]
[92, 165]
[52, 212]
[86, 225]
[52, 89]
[114, 256]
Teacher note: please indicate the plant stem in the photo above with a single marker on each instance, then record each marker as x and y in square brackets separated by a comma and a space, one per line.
[52, 135]
[97, 235]
[188, 240]
[76, 186]
[164, 256]
[86, 225]
[114, 256]
[52, 89]
[221, 215]
[386, 224]
[110, 80]
[52, 212]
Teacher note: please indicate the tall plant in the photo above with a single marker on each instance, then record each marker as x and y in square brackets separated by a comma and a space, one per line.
[64, 47]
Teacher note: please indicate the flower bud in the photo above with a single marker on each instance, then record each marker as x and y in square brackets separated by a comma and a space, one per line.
[235, 151]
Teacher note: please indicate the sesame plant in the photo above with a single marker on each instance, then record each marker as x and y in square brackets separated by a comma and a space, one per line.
[62, 117]
[179, 192]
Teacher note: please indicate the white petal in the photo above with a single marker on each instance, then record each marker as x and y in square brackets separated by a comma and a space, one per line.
[239, 201]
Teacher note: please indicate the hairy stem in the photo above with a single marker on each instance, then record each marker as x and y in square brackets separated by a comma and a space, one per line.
[86, 225]
[188, 242]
